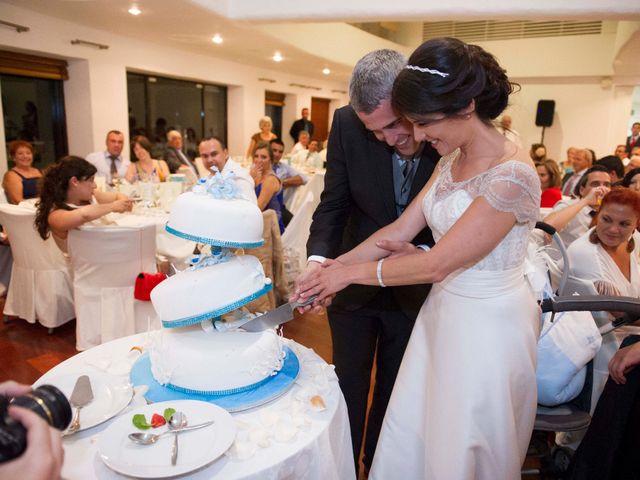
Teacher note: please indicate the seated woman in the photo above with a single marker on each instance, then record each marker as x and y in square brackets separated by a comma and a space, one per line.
[550, 181]
[142, 166]
[268, 185]
[608, 254]
[69, 199]
[264, 135]
[21, 182]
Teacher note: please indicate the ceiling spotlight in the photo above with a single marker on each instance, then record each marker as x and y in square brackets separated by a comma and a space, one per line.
[277, 57]
[326, 71]
[217, 39]
[135, 11]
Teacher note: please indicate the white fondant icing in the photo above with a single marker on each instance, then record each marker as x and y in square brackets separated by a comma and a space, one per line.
[226, 220]
[191, 358]
[197, 292]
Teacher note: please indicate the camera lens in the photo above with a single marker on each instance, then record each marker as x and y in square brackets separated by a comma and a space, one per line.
[48, 402]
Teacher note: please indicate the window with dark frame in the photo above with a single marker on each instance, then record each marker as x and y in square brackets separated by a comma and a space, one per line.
[160, 104]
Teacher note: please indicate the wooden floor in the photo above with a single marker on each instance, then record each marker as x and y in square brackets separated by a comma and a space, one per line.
[27, 350]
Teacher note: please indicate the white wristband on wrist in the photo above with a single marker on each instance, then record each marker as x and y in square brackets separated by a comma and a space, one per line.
[379, 272]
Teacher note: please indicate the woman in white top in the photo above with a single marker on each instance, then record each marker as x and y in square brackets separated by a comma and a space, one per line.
[69, 198]
[609, 256]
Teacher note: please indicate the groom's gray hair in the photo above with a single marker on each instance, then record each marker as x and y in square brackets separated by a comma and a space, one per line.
[372, 79]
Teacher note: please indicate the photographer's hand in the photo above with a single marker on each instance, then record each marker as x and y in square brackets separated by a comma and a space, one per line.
[42, 460]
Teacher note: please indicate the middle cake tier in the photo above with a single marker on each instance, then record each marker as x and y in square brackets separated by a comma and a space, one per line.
[192, 296]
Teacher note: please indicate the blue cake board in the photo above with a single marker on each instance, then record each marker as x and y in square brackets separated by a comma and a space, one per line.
[270, 390]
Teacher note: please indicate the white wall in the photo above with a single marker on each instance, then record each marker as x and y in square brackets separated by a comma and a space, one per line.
[586, 115]
[96, 94]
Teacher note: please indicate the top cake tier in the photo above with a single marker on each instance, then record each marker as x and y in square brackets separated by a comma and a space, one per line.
[203, 218]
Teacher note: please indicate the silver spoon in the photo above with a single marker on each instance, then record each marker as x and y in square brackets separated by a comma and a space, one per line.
[177, 422]
[151, 438]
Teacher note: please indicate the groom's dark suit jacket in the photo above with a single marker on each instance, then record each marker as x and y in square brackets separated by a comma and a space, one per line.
[358, 199]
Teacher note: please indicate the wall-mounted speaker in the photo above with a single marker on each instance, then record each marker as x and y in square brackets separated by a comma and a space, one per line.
[544, 114]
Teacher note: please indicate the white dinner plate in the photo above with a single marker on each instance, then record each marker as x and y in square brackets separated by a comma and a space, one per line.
[196, 448]
[111, 394]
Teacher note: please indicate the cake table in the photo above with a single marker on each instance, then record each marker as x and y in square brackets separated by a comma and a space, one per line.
[318, 448]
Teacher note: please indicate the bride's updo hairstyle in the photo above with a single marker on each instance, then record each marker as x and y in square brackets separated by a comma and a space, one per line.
[445, 74]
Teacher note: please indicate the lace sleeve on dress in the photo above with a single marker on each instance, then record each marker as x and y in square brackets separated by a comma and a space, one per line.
[514, 187]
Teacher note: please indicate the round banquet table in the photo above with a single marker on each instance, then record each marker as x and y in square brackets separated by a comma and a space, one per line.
[321, 450]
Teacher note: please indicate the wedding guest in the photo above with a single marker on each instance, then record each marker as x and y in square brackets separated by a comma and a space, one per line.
[177, 161]
[290, 177]
[264, 135]
[581, 162]
[609, 256]
[567, 165]
[21, 182]
[609, 253]
[633, 140]
[311, 156]
[632, 179]
[369, 144]
[614, 166]
[109, 163]
[69, 198]
[572, 217]
[268, 185]
[42, 460]
[214, 154]
[538, 152]
[505, 129]
[621, 153]
[302, 124]
[550, 179]
[142, 167]
[464, 401]
[303, 142]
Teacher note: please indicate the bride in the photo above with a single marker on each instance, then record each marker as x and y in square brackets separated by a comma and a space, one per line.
[464, 401]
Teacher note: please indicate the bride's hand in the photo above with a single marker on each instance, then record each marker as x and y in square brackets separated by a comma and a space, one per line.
[324, 282]
[397, 248]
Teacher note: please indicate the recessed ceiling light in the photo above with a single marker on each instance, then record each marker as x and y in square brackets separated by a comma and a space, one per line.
[217, 39]
[277, 57]
[326, 71]
[135, 11]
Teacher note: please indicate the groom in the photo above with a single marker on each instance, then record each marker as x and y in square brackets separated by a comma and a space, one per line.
[374, 169]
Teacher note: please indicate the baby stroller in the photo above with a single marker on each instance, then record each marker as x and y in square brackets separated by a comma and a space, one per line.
[573, 415]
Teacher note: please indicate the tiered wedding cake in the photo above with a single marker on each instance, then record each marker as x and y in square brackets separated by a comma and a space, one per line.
[190, 355]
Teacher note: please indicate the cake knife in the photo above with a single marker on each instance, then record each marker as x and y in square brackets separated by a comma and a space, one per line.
[280, 315]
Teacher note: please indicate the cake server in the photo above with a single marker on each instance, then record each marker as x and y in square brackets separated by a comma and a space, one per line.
[280, 315]
[82, 395]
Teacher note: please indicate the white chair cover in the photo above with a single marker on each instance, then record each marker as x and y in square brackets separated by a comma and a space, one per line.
[294, 239]
[105, 264]
[3, 196]
[315, 186]
[40, 286]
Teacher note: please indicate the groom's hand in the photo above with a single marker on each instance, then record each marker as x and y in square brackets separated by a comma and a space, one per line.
[319, 305]
[397, 248]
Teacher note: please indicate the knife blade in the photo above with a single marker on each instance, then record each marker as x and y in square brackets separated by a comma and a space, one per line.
[81, 396]
[280, 315]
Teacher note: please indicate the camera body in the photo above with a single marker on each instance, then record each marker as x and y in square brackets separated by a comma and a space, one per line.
[47, 401]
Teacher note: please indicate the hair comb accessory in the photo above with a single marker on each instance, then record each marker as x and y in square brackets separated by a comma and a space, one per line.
[427, 70]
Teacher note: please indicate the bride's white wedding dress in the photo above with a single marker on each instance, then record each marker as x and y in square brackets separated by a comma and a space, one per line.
[464, 401]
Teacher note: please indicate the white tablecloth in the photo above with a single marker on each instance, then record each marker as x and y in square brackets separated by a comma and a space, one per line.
[320, 452]
[174, 248]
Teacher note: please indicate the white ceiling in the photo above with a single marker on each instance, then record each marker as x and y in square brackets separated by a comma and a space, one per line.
[190, 24]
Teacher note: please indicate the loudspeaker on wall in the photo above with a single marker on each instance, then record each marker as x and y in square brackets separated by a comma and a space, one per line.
[544, 114]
